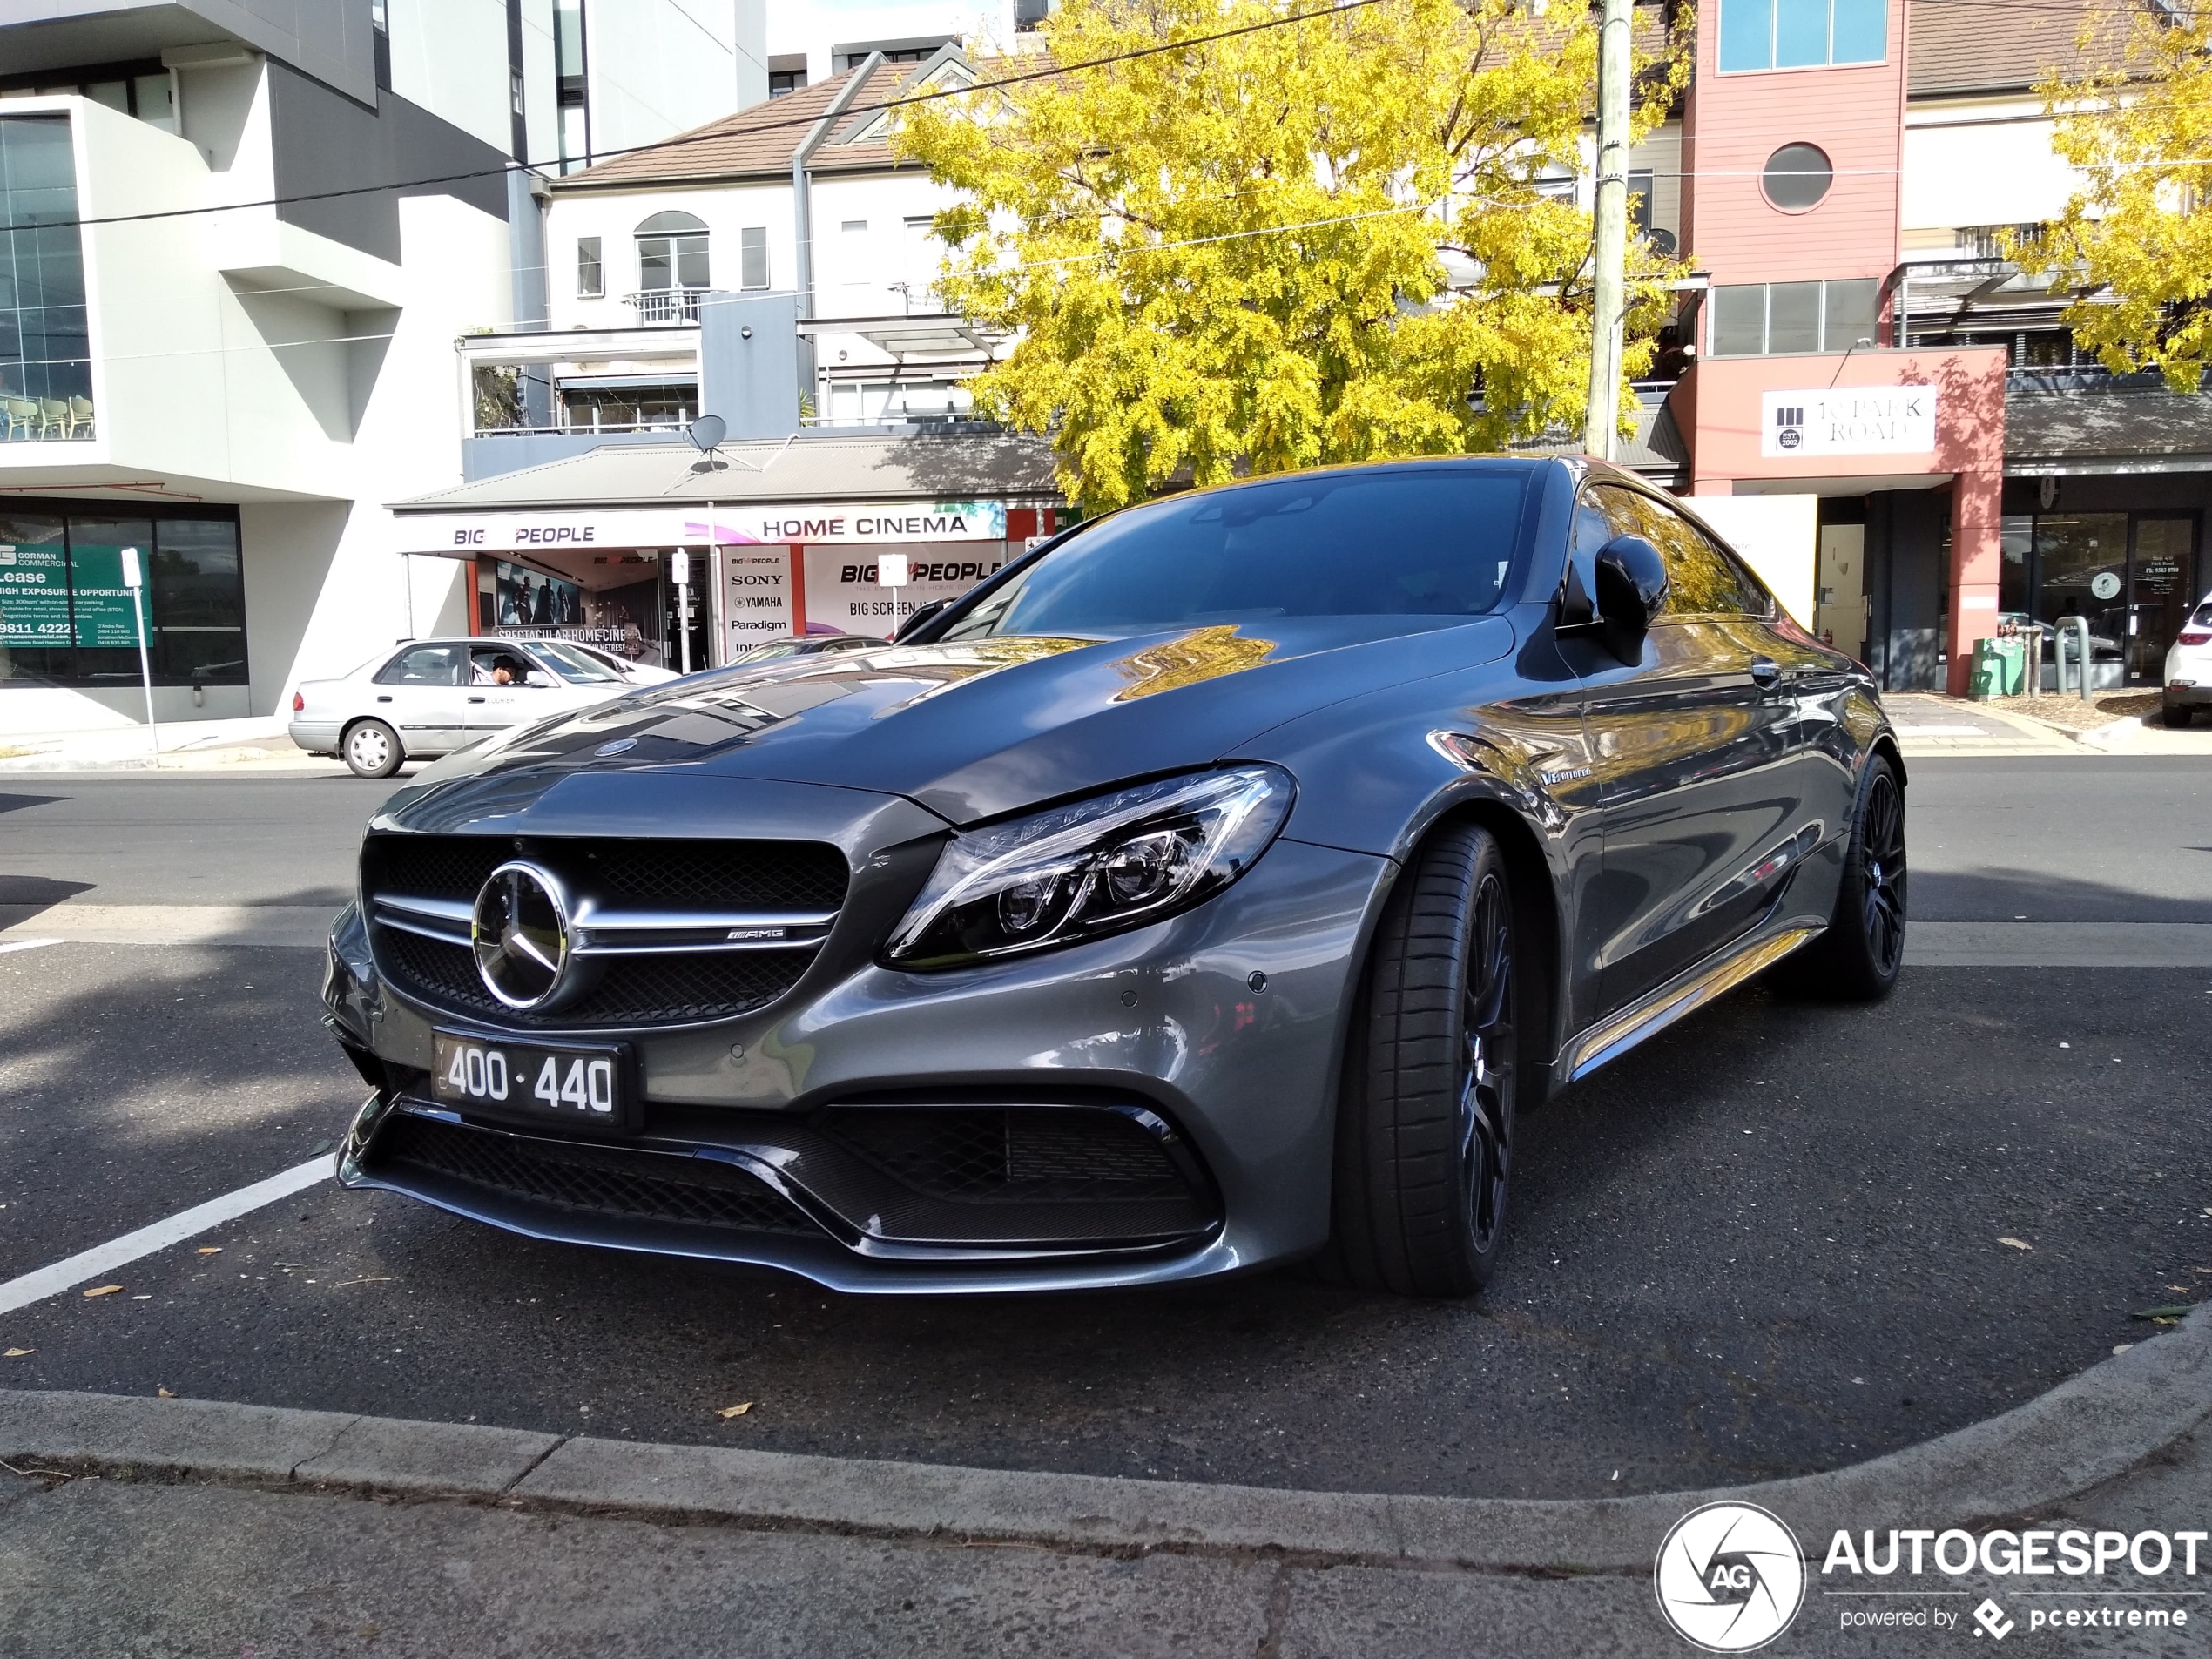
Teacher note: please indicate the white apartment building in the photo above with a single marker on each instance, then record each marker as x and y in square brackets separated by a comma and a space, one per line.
[808, 41]
[228, 304]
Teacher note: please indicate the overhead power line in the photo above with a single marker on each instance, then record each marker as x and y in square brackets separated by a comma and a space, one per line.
[1049, 72]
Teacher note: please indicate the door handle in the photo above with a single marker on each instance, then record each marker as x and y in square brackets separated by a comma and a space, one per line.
[383, 696]
[1766, 673]
[475, 699]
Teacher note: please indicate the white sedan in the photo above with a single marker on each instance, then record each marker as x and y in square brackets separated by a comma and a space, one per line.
[2189, 667]
[430, 697]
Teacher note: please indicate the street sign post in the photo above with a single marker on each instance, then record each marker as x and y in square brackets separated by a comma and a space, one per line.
[894, 570]
[679, 571]
[134, 578]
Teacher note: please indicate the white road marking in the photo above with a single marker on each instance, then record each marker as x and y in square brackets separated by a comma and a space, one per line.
[308, 925]
[102, 1260]
[25, 944]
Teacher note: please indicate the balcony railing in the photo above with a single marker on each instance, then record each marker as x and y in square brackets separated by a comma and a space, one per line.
[665, 305]
[31, 420]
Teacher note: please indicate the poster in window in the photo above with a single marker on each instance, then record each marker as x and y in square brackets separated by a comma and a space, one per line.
[34, 594]
[106, 614]
[527, 598]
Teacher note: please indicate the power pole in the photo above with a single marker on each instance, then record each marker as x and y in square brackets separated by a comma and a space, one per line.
[1608, 279]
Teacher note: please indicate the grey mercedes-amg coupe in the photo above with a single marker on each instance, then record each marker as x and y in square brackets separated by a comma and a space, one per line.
[1216, 886]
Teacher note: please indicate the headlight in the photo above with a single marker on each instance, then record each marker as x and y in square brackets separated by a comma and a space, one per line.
[1097, 866]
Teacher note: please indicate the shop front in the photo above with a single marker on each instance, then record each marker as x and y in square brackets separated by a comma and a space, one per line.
[688, 588]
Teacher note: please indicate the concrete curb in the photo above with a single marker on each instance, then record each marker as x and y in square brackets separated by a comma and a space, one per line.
[2083, 1432]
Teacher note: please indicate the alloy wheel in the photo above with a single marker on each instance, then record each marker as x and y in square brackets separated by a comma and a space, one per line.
[1882, 853]
[1486, 1089]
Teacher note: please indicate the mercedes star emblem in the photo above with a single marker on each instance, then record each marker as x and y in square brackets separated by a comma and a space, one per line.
[520, 932]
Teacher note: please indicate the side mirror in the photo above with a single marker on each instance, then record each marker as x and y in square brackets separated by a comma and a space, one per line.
[915, 617]
[1631, 590]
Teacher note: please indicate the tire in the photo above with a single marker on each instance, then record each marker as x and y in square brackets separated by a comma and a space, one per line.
[371, 749]
[2177, 714]
[1425, 1130]
[1858, 958]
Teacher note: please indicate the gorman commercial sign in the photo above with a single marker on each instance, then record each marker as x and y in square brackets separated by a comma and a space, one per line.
[628, 527]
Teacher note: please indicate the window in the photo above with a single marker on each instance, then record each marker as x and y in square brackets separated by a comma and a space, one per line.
[590, 269]
[423, 665]
[1802, 34]
[1797, 177]
[752, 257]
[672, 252]
[1029, 15]
[782, 81]
[1702, 580]
[151, 97]
[45, 348]
[855, 227]
[1429, 544]
[66, 618]
[1640, 184]
[1750, 320]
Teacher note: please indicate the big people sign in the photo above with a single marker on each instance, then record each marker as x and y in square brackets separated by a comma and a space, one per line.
[1848, 421]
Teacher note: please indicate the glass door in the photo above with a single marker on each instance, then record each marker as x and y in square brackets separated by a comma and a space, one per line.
[2159, 593]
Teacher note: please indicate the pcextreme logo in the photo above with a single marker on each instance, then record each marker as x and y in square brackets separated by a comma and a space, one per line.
[1730, 1577]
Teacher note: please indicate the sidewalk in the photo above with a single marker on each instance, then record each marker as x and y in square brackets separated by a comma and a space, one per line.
[152, 1525]
[1930, 725]
[260, 744]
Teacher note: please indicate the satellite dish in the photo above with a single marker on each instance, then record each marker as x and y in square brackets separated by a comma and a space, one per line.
[707, 431]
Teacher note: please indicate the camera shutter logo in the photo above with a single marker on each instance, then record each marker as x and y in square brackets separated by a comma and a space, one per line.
[1790, 426]
[1991, 1617]
[1730, 1577]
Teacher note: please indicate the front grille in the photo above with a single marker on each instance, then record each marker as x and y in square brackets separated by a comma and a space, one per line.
[631, 990]
[691, 874]
[694, 877]
[1017, 1155]
[605, 1181]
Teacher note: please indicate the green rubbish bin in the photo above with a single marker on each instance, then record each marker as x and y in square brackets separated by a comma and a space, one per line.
[2012, 657]
[1987, 674]
[1999, 670]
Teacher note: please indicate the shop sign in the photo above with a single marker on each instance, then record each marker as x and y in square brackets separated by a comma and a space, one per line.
[756, 599]
[844, 592]
[1848, 421]
[34, 596]
[462, 535]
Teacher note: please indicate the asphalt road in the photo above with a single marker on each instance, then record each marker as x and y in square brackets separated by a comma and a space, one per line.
[1770, 1243]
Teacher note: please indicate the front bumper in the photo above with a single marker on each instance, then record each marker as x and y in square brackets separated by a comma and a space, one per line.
[1219, 1032]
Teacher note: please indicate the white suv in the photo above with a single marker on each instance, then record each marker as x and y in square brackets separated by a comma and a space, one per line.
[2189, 667]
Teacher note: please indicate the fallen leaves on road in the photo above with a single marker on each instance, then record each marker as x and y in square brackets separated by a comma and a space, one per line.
[2165, 1315]
[373, 1278]
[2017, 1243]
[17, 1353]
[163, 1392]
[739, 1409]
[211, 1250]
[104, 1289]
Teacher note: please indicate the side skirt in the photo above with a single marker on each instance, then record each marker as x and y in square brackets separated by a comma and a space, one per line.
[1679, 997]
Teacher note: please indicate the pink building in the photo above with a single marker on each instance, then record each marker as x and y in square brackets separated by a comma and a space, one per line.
[1839, 173]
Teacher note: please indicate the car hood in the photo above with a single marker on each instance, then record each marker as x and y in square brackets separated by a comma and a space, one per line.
[977, 728]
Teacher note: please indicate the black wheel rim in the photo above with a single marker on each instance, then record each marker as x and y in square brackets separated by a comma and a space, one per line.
[1487, 1089]
[1881, 871]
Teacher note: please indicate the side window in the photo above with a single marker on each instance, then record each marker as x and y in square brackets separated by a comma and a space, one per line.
[1702, 580]
[424, 665]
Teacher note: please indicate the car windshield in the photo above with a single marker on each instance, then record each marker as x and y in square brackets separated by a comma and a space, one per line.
[2203, 618]
[579, 667]
[1411, 542]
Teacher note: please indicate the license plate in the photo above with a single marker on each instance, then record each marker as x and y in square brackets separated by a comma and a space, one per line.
[584, 1088]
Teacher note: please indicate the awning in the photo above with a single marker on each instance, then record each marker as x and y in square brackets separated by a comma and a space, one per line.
[464, 535]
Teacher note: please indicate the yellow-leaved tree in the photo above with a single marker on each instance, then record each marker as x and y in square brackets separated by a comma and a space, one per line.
[1322, 241]
[2135, 242]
